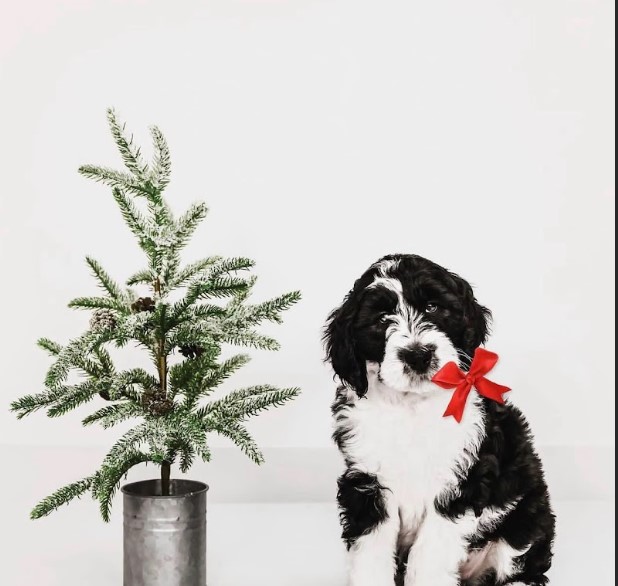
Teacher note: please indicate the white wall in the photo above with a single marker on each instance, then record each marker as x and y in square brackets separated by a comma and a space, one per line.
[324, 134]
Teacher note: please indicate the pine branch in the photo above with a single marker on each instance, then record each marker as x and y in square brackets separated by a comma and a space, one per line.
[112, 415]
[213, 378]
[28, 404]
[187, 456]
[231, 405]
[105, 281]
[86, 354]
[143, 277]
[187, 223]
[152, 432]
[204, 311]
[176, 236]
[62, 398]
[73, 397]
[109, 478]
[198, 319]
[215, 282]
[131, 439]
[223, 371]
[97, 303]
[135, 327]
[207, 288]
[269, 310]
[251, 406]
[240, 436]
[169, 266]
[190, 430]
[73, 355]
[230, 265]
[247, 338]
[188, 373]
[61, 497]
[162, 163]
[122, 382]
[130, 154]
[113, 179]
[131, 384]
[192, 270]
[136, 222]
[219, 331]
[148, 181]
[105, 362]
[241, 296]
[51, 347]
[216, 288]
[190, 335]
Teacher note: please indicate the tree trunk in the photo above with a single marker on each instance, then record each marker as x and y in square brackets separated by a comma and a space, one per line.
[166, 466]
[166, 469]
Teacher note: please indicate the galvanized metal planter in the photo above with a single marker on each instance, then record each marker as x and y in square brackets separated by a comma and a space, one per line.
[165, 536]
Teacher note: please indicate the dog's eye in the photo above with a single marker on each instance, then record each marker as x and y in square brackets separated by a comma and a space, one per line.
[431, 308]
[383, 318]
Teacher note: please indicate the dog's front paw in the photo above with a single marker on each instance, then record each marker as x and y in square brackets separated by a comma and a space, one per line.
[372, 579]
[413, 579]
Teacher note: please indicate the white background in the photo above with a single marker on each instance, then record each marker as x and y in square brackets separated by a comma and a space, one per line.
[324, 134]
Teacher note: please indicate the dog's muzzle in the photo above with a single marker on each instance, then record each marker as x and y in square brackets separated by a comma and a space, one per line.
[418, 358]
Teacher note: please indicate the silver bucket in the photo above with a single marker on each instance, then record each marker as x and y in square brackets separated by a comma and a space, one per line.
[165, 536]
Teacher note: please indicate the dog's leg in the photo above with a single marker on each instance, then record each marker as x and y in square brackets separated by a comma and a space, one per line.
[372, 557]
[532, 567]
[440, 549]
[370, 528]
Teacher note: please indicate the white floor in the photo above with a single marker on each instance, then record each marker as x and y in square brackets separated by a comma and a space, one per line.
[262, 545]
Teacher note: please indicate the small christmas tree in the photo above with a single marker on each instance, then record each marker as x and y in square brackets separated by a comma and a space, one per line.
[211, 310]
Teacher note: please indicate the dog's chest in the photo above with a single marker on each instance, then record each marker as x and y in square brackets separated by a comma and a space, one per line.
[413, 450]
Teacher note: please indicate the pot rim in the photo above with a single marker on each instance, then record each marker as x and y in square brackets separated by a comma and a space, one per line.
[200, 488]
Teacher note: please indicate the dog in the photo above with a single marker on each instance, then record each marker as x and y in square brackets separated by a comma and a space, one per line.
[425, 500]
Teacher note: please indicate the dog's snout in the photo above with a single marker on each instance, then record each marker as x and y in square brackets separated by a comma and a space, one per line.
[418, 358]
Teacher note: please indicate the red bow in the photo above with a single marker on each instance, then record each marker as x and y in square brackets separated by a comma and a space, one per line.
[451, 376]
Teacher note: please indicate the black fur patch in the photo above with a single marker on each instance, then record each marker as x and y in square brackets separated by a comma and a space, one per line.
[508, 471]
[361, 504]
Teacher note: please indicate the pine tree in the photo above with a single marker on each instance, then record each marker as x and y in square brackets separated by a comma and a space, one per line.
[183, 338]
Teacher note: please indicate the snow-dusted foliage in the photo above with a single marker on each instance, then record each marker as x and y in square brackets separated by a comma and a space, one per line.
[209, 309]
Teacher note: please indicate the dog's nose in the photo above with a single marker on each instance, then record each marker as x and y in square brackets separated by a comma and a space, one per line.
[418, 358]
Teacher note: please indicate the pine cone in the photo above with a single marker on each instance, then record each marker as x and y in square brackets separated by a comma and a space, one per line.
[160, 407]
[156, 404]
[103, 319]
[143, 304]
[114, 395]
[191, 351]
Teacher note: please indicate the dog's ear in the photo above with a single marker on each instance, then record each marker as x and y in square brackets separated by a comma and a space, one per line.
[478, 320]
[340, 345]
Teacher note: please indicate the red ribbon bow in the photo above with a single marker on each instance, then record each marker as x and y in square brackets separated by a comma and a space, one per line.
[451, 376]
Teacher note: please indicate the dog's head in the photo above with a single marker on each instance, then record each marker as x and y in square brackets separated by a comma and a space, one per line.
[404, 319]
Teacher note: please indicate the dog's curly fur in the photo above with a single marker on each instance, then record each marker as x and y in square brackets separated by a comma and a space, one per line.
[426, 501]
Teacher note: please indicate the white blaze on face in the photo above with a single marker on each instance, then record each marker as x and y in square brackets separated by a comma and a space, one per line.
[409, 329]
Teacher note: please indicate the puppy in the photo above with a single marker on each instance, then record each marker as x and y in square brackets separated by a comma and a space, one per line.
[425, 500]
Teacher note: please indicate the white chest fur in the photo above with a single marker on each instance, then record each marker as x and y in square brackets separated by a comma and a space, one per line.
[406, 442]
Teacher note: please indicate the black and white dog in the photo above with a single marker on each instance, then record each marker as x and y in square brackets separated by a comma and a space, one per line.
[424, 500]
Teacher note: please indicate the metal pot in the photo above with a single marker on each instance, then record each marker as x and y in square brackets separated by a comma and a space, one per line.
[165, 536]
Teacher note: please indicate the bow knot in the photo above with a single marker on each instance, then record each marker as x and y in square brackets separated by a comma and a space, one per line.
[451, 376]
